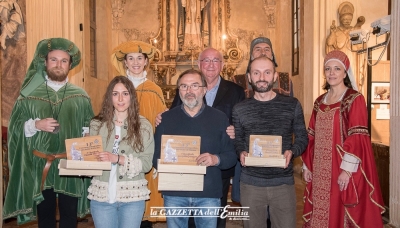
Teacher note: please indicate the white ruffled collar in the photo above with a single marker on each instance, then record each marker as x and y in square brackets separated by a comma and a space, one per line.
[137, 80]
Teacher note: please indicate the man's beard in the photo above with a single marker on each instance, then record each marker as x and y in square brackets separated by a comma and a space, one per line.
[262, 89]
[190, 103]
[57, 74]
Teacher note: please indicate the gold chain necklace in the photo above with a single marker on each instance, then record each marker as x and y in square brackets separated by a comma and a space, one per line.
[55, 115]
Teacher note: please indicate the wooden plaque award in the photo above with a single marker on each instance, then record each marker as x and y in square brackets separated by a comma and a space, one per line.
[180, 150]
[265, 151]
[177, 167]
[81, 159]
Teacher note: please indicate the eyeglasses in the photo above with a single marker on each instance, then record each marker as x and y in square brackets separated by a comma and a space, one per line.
[208, 61]
[193, 87]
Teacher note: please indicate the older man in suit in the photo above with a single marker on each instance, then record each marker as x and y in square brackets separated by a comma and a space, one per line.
[222, 95]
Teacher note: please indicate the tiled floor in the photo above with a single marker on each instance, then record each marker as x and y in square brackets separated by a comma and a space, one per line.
[230, 224]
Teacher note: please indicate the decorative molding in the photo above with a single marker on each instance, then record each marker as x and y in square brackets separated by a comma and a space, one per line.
[163, 74]
[157, 40]
[234, 54]
[135, 34]
[117, 12]
[230, 42]
[228, 72]
[270, 12]
[245, 37]
[160, 12]
[168, 9]
[228, 12]
[219, 16]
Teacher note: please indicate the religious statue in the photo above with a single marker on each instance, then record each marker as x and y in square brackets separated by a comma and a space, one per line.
[339, 37]
[195, 24]
[11, 21]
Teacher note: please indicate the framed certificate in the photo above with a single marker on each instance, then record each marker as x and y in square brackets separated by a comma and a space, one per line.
[84, 148]
[179, 150]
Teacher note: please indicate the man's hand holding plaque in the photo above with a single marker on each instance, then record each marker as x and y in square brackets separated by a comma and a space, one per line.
[265, 151]
[181, 167]
[207, 159]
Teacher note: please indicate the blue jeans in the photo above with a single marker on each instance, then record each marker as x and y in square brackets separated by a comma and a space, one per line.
[207, 205]
[118, 214]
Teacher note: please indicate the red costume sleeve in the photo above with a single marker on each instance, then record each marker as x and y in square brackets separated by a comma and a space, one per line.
[363, 190]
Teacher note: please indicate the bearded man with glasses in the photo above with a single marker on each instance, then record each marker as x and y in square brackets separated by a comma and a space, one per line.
[222, 95]
[194, 118]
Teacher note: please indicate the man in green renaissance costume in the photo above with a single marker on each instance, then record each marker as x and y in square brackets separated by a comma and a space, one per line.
[48, 111]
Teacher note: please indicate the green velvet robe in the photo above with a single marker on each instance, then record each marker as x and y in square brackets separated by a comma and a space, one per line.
[23, 192]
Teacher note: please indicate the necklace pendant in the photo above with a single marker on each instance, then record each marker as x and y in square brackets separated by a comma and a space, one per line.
[56, 129]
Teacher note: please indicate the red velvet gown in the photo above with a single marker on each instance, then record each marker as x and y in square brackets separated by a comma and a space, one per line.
[334, 130]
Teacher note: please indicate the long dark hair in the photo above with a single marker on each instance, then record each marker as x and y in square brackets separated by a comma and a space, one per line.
[346, 81]
[106, 115]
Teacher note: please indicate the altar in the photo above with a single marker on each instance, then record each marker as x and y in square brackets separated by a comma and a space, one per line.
[181, 29]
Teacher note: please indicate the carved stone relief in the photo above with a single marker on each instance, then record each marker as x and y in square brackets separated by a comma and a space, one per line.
[135, 34]
[270, 12]
[117, 12]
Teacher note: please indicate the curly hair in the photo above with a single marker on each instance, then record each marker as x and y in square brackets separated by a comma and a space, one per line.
[106, 115]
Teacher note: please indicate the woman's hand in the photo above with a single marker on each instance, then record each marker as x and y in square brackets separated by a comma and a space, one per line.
[307, 175]
[107, 156]
[343, 180]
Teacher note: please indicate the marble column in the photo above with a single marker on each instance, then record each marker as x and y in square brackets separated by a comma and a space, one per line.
[394, 168]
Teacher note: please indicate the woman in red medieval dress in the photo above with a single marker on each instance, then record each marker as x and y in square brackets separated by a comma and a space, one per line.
[342, 184]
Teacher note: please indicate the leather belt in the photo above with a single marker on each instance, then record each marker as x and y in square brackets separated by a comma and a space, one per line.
[49, 158]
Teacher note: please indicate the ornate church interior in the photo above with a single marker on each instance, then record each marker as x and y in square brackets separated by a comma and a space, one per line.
[302, 32]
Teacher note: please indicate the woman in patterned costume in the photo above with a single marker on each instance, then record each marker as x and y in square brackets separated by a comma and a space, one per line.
[342, 184]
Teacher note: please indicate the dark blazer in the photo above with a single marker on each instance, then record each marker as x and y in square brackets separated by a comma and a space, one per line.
[228, 95]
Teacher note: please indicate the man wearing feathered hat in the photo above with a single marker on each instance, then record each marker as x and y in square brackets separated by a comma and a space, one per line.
[48, 110]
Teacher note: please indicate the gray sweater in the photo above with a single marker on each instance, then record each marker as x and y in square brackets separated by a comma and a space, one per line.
[282, 116]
